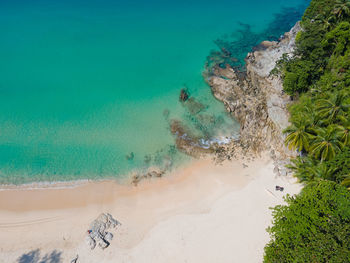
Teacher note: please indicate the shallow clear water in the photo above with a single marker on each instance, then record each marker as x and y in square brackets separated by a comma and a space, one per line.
[83, 84]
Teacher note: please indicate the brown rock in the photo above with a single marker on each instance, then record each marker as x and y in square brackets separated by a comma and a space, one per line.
[184, 95]
[255, 98]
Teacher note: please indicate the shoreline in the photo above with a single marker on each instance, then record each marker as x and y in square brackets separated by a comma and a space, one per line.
[121, 179]
[45, 185]
[57, 219]
[50, 190]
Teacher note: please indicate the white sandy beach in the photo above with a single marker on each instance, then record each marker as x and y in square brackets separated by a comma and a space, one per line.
[201, 213]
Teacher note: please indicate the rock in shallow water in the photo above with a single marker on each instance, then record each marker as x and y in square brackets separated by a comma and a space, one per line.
[186, 141]
[194, 106]
[152, 172]
[130, 156]
[184, 95]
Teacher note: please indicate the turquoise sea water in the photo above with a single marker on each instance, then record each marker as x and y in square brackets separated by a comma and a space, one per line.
[85, 83]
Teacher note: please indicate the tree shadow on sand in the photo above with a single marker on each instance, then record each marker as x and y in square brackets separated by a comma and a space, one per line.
[34, 256]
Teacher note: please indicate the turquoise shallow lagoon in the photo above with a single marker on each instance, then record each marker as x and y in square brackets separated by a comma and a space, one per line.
[85, 83]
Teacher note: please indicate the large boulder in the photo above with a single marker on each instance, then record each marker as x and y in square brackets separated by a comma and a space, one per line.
[99, 231]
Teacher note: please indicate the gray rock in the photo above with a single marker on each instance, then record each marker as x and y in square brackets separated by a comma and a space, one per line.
[98, 232]
[103, 244]
[109, 236]
[114, 222]
[90, 242]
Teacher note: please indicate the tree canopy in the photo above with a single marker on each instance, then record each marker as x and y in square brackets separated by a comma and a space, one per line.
[313, 226]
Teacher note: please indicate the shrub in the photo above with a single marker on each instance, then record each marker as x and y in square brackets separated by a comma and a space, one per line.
[314, 226]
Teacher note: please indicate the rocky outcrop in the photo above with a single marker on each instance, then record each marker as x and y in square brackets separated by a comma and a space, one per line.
[152, 172]
[99, 234]
[256, 98]
[187, 142]
[183, 95]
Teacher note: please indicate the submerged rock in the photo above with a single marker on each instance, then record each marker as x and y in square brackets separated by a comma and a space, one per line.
[206, 119]
[186, 141]
[152, 172]
[184, 95]
[194, 106]
[155, 172]
[130, 156]
[147, 159]
[166, 113]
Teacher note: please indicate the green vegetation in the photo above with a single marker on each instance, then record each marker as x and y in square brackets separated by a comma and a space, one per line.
[314, 226]
[322, 55]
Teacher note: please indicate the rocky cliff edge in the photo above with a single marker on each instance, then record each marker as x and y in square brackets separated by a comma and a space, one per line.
[256, 99]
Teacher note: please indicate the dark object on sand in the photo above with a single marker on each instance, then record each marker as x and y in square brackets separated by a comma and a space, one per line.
[279, 188]
[184, 95]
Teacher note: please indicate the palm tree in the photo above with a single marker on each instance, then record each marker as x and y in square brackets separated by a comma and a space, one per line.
[346, 181]
[342, 8]
[300, 166]
[321, 171]
[311, 116]
[299, 134]
[326, 22]
[344, 130]
[327, 143]
[307, 169]
[333, 106]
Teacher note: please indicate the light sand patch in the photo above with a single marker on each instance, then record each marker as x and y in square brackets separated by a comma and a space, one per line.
[201, 213]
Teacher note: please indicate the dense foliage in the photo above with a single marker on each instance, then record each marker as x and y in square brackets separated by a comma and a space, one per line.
[314, 226]
[322, 48]
[319, 73]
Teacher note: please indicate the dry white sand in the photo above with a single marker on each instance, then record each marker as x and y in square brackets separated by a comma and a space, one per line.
[201, 213]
